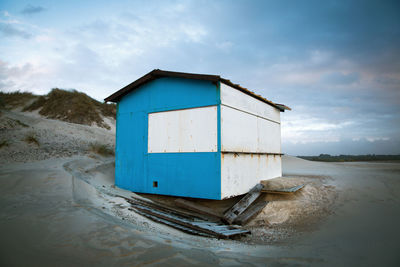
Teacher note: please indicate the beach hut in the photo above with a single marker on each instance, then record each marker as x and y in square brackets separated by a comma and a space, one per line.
[194, 135]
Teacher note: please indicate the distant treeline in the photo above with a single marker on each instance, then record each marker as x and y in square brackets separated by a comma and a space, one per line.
[344, 158]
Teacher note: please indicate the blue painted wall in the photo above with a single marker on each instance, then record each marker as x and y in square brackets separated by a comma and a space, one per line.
[179, 174]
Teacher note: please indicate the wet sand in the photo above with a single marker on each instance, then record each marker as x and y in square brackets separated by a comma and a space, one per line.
[48, 217]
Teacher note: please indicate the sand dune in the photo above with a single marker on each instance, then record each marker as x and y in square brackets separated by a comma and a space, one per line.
[55, 138]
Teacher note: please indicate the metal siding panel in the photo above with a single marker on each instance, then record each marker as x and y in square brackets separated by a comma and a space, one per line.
[236, 99]
[185, 174]
[134, 165]
[170, 94]
[268, 136]
[238, 130]
[243, 132]
[240, 172]
[188, 130]
[130, 162]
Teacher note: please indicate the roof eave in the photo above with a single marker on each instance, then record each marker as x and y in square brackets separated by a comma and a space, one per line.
[115, 97]
[281, 107]
[157, 73]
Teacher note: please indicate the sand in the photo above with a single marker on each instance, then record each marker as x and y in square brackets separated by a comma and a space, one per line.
[55, 138]
[62, 209]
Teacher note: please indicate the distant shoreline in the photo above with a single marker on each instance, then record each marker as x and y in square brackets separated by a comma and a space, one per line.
[353, 158]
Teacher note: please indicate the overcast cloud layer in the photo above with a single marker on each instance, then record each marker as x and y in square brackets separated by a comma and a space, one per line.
[335, 63]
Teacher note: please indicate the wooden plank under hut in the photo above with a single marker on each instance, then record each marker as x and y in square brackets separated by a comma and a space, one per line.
[289, 190]
[159, 206]
[172, 224]
[250, 213]
[183, 221]
[243, 204]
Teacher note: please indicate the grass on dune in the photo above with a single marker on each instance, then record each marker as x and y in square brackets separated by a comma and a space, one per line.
[101, 149]
[73, 106]
[32, 139]
[15, 99]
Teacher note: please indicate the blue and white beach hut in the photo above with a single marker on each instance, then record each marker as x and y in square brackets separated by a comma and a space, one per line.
[194, 135]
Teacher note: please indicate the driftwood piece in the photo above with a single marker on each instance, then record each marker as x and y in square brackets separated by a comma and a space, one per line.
[189, 205]
[243, 204]
[289, 190]
[250, 213]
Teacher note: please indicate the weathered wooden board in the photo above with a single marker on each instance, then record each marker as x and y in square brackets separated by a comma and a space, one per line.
[243, 204]
[196, 208]
[289, 190]
[182, 220]
[159, 206]
[208, 228]
[250, 213]
[174, 225]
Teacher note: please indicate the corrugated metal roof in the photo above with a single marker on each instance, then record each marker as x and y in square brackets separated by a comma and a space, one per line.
[155, 74]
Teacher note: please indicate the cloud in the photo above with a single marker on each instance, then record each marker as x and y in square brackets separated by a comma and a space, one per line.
[339, 78]
[30, 9]
[374, 139]
[10, 75]
[11, 30]
[304, 129]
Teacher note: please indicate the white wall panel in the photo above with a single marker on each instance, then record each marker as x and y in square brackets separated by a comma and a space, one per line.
[187, 130]
[241, 172]
[237, 99]
[238, 130]
[269, 136]
[244, 132]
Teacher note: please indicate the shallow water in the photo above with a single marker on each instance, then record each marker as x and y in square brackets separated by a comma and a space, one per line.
[47, 218]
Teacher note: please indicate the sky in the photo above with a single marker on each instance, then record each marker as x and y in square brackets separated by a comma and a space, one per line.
[335, 63]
